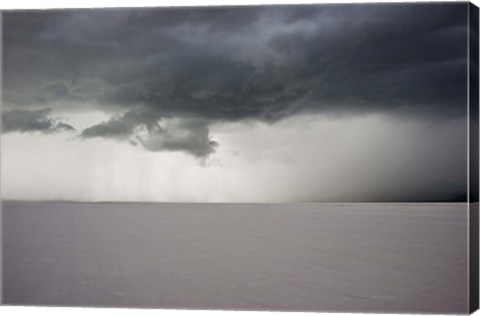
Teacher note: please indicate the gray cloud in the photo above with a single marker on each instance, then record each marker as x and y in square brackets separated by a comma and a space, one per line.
[122, 127]
[32, 121]
[156, 134]
[231, 64]
[190, 135]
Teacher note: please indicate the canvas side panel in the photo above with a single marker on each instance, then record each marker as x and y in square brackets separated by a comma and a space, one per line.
[473, 157]
[1, 107]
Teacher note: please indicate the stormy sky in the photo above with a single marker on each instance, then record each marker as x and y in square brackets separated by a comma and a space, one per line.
[302, 103]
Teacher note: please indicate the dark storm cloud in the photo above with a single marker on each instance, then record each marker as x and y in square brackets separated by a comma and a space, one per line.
[32, 121]
[232, 64]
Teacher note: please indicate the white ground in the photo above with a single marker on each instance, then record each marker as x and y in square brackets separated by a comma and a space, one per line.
[322, 257]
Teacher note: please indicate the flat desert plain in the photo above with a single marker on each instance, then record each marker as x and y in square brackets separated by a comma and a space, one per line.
[303, 257]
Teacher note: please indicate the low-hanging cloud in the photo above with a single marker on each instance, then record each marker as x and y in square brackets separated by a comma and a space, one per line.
[156, 134]
[187, 135]
[122, 127]
[25, 121]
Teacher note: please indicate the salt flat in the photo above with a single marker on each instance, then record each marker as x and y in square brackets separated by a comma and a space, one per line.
[306, 257]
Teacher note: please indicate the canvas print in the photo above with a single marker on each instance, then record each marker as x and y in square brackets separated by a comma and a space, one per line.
[315, 157]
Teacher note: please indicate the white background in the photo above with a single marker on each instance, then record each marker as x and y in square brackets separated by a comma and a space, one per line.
[43, 4]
